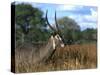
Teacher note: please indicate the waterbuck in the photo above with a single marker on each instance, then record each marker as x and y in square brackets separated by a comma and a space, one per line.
[46, 51]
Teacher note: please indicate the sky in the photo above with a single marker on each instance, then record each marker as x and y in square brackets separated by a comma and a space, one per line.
[85, 16]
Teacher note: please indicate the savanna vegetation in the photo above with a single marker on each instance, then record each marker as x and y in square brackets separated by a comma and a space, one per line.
[80, 51]
[71, 57]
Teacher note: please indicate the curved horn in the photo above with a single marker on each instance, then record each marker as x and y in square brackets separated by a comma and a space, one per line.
[58, 29]
[48, 22]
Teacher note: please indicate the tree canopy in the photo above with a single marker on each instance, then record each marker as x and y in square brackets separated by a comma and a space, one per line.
[31, 26]
[70, 29]
[30, 23]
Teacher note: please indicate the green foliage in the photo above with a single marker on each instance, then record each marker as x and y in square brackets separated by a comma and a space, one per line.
[70, 30]
[73, 35]
[25, 12]
[89, 34]
[31, 27]
[69, 23]
[30, 23]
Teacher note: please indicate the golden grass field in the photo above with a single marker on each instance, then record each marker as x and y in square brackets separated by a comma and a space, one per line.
[71, 57]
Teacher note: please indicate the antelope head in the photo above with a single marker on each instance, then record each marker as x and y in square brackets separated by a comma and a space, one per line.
[56, 37]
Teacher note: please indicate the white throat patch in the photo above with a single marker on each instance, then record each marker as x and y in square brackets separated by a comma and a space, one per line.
[53, 42]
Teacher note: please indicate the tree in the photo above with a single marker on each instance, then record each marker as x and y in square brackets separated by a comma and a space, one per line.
[90, 34]
[70, 30]
[29, 23]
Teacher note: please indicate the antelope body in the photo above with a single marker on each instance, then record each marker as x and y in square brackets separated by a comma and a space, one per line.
[44, 52]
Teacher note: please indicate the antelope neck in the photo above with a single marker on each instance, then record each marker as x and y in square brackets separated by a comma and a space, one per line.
[53, 41]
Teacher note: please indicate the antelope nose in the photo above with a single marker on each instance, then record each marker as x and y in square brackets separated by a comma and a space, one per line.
[62, 45]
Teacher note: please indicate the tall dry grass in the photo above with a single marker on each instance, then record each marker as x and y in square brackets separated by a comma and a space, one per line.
[70, 57]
